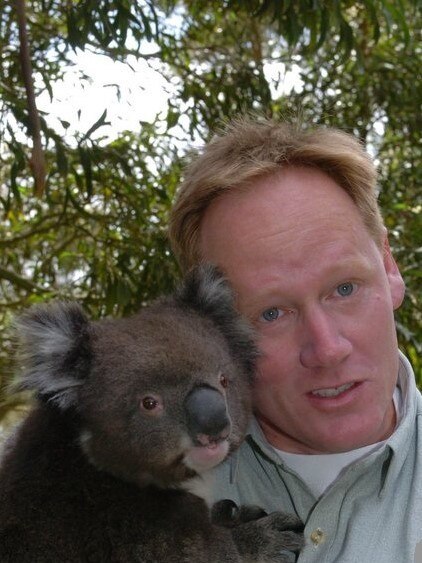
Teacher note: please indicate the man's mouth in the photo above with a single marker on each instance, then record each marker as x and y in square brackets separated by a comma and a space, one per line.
[332, 391]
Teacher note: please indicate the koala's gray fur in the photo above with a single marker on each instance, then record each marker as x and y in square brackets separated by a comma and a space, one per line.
[130, 416]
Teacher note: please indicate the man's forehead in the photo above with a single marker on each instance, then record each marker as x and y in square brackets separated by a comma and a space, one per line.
[288, 205]
[260, 238]
[286, 190]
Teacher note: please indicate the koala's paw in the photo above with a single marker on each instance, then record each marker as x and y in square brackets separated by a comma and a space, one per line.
[260, 538]
[228, 514]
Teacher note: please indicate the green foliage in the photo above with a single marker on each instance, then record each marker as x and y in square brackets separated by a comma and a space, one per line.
[98, 234]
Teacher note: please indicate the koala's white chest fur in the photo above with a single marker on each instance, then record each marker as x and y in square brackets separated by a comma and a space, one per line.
[201, 486]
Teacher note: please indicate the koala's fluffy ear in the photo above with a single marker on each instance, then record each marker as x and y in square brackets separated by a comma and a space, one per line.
[207, 291]
[54, 351]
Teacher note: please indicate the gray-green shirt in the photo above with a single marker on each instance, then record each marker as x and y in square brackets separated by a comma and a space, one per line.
[372, 513]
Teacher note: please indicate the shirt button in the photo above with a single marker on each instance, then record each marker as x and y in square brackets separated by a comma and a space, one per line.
[318, 537]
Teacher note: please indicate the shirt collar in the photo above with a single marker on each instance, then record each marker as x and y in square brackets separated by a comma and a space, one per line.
[402, 438]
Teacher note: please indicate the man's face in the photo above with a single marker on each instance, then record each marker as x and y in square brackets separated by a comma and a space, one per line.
[321, 296]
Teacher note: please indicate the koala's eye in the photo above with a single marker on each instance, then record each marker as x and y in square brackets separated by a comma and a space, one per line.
[224, 382]
[151, 404]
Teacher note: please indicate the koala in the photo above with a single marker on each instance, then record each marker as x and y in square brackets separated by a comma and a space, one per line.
[131, 415]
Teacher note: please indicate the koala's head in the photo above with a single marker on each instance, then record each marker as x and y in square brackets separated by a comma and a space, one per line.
[160, 396]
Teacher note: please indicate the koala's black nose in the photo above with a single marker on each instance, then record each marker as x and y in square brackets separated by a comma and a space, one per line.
[207, 414]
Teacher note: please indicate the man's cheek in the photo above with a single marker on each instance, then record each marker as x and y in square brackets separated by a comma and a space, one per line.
[269, 372]
[276, 354]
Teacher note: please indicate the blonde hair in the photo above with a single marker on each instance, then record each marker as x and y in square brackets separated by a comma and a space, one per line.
[248, 149]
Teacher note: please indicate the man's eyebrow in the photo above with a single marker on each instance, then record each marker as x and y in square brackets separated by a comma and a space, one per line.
[360, 261]
[272, 290]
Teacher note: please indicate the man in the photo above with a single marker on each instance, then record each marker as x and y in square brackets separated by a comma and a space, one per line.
[291, 217]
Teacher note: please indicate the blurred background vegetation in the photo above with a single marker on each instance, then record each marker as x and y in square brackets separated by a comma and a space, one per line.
[95, 229]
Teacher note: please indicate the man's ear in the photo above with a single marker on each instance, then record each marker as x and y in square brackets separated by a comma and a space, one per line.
[395, 280]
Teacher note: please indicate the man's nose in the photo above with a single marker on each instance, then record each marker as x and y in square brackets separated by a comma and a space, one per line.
[323, 343]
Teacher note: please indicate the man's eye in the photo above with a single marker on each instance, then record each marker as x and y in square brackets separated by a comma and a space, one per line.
[271, 314]
[345, 289]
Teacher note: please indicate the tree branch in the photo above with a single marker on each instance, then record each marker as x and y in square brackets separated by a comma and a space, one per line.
[23, 283]
[37, 160]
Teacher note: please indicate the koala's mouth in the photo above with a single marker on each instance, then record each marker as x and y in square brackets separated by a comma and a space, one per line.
[207, 452]
[207, 441]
